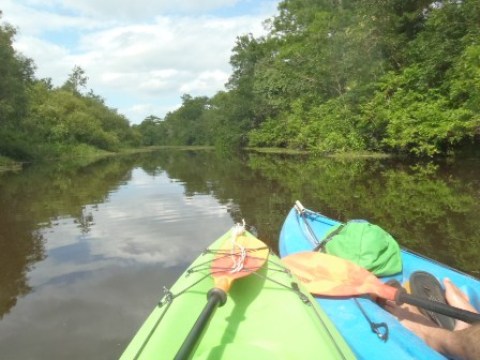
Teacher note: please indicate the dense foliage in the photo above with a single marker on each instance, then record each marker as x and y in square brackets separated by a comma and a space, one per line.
[393, 75]
[40, 121]
[399, 76]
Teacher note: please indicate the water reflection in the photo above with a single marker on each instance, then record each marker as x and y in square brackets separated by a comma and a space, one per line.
[95, 242]
[90, 317]
[86, 250]
[432, 209]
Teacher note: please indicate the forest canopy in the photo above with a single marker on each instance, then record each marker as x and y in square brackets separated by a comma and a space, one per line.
[38, 120]
[396, 76]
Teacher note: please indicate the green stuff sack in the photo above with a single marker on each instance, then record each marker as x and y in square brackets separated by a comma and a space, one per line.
[367, 245]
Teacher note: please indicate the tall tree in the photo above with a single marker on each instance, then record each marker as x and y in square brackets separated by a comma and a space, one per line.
[16, 73]
[76, 80]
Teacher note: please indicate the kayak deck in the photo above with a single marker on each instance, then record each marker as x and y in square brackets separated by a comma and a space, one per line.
[345, 312]
[265, 317]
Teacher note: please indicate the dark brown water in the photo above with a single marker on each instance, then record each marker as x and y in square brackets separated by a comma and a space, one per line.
[86, 250]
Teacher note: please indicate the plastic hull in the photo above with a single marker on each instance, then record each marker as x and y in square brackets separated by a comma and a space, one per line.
[345, 313]
[263, 318]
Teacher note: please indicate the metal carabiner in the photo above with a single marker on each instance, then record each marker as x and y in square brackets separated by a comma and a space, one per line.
[376, 327]
[383, 335]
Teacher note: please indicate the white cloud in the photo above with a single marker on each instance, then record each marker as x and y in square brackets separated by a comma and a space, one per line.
[141, 9]
[205, 81]
[147, 221]
[144, 60]
[33, 20]
[140, 111]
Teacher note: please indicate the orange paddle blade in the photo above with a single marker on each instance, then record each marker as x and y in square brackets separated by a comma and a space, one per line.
[328, 275]
[246, 254]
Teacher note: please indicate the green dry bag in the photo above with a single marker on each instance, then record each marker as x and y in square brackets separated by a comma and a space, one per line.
[367, 245]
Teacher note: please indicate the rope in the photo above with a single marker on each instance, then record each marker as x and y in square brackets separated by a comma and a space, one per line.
[238, 254]
[238, 262]
[225, 253]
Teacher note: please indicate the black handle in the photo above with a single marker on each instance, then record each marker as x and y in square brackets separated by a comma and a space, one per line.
[438, 307]
[216, 297]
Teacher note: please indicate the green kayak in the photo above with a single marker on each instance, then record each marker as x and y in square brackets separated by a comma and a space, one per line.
[267, 314]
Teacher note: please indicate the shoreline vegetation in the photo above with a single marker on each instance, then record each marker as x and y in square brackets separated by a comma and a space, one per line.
[342, 79]
[337, 155]
[7, 164]
[85, 158]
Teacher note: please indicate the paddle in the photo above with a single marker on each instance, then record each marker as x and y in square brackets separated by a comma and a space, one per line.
[376, 327]
[328, 275]
[237, 258]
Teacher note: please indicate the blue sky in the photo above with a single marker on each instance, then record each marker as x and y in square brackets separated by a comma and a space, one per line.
[141, 55]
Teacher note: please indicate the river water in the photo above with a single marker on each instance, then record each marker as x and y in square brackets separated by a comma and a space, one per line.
[85, 251]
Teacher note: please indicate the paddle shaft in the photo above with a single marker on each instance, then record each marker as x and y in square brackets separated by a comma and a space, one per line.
[438, 307]
[216, 298]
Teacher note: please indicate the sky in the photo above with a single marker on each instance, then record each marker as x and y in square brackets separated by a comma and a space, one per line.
[141, 56]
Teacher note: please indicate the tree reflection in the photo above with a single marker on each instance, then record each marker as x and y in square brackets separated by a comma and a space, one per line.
[35, 199]
[428, 208]
[432, 209]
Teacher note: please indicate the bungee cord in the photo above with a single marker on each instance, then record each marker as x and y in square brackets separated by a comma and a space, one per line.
[238, 261]
[238, 255]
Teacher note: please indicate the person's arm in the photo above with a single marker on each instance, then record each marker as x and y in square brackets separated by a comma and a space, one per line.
[463, 344]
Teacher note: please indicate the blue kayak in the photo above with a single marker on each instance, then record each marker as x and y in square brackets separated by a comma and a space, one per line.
[349, 317]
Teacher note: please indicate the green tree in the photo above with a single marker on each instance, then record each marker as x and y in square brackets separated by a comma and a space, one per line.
[16, 75]
[186, 125]
[429, 106]
[76, 80]
[153, 131]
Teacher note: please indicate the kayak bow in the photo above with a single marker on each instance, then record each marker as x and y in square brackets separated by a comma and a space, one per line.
[239, 258]
[268, 315]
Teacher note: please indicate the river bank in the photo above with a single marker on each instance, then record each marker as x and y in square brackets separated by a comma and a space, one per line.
[88, 155]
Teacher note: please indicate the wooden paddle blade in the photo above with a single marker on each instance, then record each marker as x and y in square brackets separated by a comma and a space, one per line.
[237, 259]
[328, 275]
